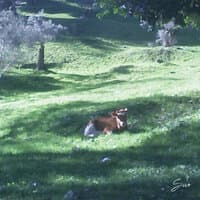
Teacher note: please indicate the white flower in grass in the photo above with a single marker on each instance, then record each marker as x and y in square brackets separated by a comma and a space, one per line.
[34, 184]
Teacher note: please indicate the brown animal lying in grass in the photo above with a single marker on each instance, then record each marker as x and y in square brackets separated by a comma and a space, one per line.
[117, 121]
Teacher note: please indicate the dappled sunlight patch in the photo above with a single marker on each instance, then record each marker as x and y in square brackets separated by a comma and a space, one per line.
[59, 16]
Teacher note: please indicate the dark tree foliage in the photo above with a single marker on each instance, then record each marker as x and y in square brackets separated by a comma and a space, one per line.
[32, 2]
[153, 11]
[7, 4]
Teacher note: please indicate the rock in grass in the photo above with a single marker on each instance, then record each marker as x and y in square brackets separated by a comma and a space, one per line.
[105, 160]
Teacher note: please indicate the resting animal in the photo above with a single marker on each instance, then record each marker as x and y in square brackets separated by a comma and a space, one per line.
[117, 121]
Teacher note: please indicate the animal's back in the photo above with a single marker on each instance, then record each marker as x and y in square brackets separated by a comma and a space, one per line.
[105, 122]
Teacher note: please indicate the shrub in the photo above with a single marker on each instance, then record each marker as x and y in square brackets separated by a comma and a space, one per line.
[165, 36]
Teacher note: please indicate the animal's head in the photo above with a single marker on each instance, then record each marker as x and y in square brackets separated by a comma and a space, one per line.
[121, 117]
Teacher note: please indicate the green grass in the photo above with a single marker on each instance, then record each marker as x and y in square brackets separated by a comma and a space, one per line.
[106, 66]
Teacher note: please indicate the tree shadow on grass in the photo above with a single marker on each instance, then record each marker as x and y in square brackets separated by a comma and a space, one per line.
[71, 83]
[34, 66]
[72, 87]
[124, 69]
[53, 7]
[144, 115]
[99, 44]
[145, 171]
[27, 83]
[61, 120]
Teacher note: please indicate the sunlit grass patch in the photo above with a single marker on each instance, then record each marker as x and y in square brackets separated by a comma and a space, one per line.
[54, 16]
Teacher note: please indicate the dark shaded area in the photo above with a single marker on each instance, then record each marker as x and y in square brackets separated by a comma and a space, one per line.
[98, 44]
[14, 83]
[30, 82]
[44, 168]
[125, 69]
[53, 7]
[68, 120]
[113, 27]
[41, 82]
[188, 37]
[17, 84]
[33, 66]
[144, 115]
[87, 27]
[25, 169]
[7, 4]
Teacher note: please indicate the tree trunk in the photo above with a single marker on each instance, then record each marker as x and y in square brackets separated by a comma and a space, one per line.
[40, 64]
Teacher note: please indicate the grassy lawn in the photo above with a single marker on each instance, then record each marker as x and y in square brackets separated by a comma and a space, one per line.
[99, 66]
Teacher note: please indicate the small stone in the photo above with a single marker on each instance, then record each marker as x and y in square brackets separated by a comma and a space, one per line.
[69, 195]
[105, 159]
